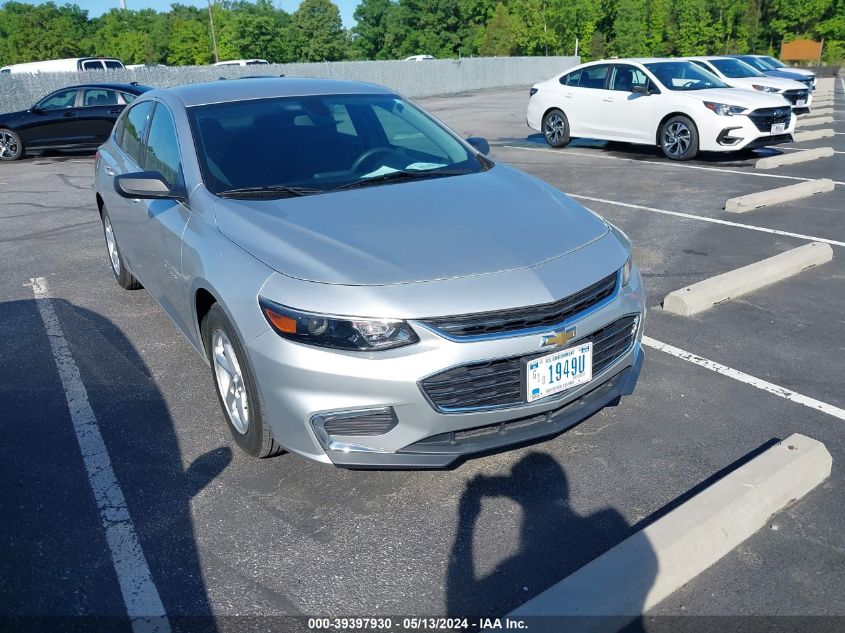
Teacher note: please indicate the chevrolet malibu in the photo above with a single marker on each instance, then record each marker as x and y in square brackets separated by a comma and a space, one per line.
[674, 104]
[368, 289]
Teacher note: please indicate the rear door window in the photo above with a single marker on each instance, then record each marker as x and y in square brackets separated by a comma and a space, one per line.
[98, 97]
[92, 64]
[133, 134]
[113, 65]
[594, 77]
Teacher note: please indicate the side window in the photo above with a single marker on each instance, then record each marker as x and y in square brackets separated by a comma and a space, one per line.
[702, 65]
[593, 77]
[133, 133]
[113, 65]
[128, 97]
[60, 100]
[118, 130]
[92, 64]
[626, 77]
[98, 97]
[342, 119]
[571, 79]
[162, 153]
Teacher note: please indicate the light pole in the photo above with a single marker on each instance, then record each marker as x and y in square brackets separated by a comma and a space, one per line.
[213, 36]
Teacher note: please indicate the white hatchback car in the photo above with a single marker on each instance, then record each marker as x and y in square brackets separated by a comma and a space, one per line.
[674, 104]
[738, 74]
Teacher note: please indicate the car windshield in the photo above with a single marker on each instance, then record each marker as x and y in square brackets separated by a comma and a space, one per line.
[776, 63]
[757, 63]
[735, 68]
[313, 144]
[682, 75]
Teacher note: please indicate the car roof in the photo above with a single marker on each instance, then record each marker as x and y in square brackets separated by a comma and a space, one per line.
[137, 88]
[265, 87]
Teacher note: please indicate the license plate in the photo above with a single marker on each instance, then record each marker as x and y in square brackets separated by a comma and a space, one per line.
[800, 102]
[778, 128]
[558, 371]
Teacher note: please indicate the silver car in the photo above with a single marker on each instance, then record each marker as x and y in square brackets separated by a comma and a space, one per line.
[369, 289]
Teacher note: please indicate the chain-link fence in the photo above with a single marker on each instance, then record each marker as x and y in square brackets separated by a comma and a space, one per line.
[414, 79]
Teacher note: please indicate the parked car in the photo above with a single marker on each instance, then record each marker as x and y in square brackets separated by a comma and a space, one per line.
[419, 58]
[356, 274]
[137, 66]
[776, 64]
[243, 62]
[674, 104]
[761, 63]
[738, 74]
[70, 65]
[77, 117]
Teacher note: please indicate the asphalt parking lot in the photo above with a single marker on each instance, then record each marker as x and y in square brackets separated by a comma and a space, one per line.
[225, 534]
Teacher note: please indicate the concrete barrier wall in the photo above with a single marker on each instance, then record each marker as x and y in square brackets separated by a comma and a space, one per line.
[414, 79]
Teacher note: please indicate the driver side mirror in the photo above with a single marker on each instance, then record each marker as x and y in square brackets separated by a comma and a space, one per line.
[480, 144]
[149, 185]
[35, 109]
[640, 90]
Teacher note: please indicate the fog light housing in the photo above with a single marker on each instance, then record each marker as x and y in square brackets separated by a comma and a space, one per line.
[353, 423]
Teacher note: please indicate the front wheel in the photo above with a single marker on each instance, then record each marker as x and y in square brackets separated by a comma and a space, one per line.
[11, 145]
[556, 128]
[236, 389]
[678, 138]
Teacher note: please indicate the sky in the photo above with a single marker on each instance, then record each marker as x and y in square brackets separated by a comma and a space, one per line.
[98, 7]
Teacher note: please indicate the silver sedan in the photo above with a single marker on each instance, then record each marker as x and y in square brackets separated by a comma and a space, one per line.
[369, 289]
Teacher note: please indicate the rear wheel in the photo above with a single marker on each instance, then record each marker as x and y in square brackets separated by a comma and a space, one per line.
[126, 279]
[235, 384]
[678, 138]
[11, 145]
[556, 128]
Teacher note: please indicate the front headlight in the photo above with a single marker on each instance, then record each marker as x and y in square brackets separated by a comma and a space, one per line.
[626, 270]
[765, 88]
[348, 333]
[724, 109]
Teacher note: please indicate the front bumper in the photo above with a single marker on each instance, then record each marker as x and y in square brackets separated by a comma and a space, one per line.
[730, 134]
[298, 382]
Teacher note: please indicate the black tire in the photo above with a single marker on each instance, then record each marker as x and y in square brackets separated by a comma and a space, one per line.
[121, 273]
[11, 145]
[255, 439]
[678, 138]
[556, 128]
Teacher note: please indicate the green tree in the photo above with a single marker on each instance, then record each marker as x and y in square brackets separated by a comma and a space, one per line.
[499, 34]
[629, 36]
[189, 42]
[693, 28]
[369, 32]
[317, 32]
[46, 31]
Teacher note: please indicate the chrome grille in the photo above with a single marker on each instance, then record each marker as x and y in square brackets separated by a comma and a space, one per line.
[765, 117]
[497, 383]
[545, 315]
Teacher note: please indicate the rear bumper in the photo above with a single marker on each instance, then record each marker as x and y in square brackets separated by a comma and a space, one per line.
[443, 450]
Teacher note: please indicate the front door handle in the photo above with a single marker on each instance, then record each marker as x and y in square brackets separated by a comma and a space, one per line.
[110, 171]
[69, 114]
[608, 99]
[115, 110]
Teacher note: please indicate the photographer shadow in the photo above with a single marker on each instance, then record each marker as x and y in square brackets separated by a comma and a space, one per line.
[554, 541]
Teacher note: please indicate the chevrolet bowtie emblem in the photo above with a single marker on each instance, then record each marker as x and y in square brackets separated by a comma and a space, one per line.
[556, 339]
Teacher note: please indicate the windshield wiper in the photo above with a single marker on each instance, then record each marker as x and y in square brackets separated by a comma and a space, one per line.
[403, 175]
[267, 192]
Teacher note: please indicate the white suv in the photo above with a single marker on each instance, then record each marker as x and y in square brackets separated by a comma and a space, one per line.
[674, 104]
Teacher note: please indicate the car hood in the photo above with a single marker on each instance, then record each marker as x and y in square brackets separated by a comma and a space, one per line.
[441, 228]
[791, 76]
[10, 118]
[745, 97]
[775, 82]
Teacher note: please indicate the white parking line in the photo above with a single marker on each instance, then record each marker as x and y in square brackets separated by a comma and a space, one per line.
[759, 383]
[798, 149]
[666, 163]
[691, 216]
[143, 604]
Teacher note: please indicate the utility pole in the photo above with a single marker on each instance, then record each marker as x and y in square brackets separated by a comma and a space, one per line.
[576, 45]
[213, 36]
[123, 4]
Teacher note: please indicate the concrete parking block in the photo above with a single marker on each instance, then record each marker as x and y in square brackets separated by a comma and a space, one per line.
[791, 159]
[813, 121]
[811, 135]
[735, 283]
[685, 542]
[776, 196]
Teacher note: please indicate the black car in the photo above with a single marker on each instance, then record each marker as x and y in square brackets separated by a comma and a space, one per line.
[77, 117]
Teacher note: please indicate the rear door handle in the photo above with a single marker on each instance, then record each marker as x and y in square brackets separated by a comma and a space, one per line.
[69, 114]
[609, 99]
[115, 110]
[568, 95]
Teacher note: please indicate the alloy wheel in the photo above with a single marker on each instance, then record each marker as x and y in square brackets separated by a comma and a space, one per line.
[676, 139]
[230, 381]
[111, 244]
[555, 128]
[8, 145]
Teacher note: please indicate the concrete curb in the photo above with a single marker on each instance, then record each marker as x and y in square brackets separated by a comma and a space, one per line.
[776, 196]
[796, 157]
[818, 120]
[811, 135]
[650, 565]
[735, 283]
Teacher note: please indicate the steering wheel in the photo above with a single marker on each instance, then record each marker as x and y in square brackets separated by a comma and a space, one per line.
[373, 151]
[691, 82]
